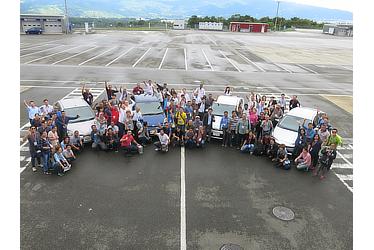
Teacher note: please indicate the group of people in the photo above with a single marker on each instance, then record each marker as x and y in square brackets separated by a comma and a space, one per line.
[189, 121]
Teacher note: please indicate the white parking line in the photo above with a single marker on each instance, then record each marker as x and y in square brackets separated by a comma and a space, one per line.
[206, 58]
[228, 59]
[40, 58]
[34, 47]
[345, 159]
[141, 58]
[96, 56]
[183, 240]
[73, 55]
[350, 146]
[307, 69]
[185, 57]
[289, 71]
[163, 58]
[41, 51]
[341, 165]
[250, 61]
[343, 178]
[115, 59]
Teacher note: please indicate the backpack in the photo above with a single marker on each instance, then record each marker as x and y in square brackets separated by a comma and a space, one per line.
[259, 149]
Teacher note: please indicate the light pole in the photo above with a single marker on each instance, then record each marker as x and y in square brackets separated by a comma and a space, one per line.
[67, 17]
[276, 19]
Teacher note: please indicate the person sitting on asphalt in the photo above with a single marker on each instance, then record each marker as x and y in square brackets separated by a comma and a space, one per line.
[111, 140]
[177, 137]
[137, 90]
[61, 165]
[76, 142]
[143, 134]
[97, 139]
[304, 160]
[249, 143]
[163, 142]
[65, 142]
[190, 125]
[69, 154]
[272, 150]
[326, 157]
[200, 137]
[281, 161]
[314, 147]
[128, 143]
[334, 138]
[189, 138]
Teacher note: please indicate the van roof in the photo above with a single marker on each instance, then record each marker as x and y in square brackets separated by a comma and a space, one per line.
[145, 98]
[227, 99]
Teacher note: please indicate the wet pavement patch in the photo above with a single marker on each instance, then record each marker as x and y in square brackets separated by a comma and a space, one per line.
[283, 213]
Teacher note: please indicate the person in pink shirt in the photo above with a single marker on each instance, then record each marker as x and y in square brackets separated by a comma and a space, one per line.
[304, 160]
[253, 118]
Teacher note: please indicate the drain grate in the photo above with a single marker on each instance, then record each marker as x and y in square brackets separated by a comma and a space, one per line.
[283, 213]
[231, 246]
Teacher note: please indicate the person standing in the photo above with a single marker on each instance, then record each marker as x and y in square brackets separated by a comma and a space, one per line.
[242, 129]
[294, 102]
[282, 102]
[32, 110]
[87, 95]
[46, 148]
[208, 120]
[334, 138]
[314, 148]
[34, 147]
[224, 126]
[232, 127]
[327, 156]
[46, 110]
[200, 91]
[181, 119]
[62, 124]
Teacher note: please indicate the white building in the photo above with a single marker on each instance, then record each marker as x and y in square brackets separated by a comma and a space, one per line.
[210, 26]
[179, 24]
[49, 23]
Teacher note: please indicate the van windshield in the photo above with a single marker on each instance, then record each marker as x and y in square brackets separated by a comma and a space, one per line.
[292, 122]
[85, 114]
[149, 108]
[219, 108]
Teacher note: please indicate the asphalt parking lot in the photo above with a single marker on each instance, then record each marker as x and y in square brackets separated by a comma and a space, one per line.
[108, 201]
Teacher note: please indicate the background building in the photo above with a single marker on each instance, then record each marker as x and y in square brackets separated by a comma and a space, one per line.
[210, 26]
[179, 24]
[338, 29]
[248, 27]
[49, 23]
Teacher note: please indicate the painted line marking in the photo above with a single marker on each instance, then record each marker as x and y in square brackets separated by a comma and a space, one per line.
[28, 48]
[141, 58]
[350, 146]
[341, 165]
[307, 69]
[74, 55]
[206, 58]
[344, 177]
[37, 59]
[346, 156]
[342, 157]
[183, 241]
[96, 56]
[23, 168]
[345, 184]
[115, 59]
[41, 51]
[211, 40]
[276, 64]
[185, 58]
[228, 59]
[163, 58]
[250, 61]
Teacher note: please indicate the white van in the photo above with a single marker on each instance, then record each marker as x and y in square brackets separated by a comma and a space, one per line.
[224, 103]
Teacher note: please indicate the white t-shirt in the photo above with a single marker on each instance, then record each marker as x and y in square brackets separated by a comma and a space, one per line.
[200, 92]
[164, 139]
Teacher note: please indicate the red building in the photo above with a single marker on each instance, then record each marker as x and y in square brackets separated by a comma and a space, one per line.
[248, 27]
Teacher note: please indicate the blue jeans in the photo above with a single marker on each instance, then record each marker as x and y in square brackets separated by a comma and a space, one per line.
[46, 163]
[247, 148]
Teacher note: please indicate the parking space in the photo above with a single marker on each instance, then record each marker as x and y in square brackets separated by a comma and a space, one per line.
[174, 59]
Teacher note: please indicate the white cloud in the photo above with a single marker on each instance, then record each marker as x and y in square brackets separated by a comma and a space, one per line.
[346, 5]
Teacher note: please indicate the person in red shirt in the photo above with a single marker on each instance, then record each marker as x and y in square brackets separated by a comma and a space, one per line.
[137, 90]
[115, 114]
[128, 143]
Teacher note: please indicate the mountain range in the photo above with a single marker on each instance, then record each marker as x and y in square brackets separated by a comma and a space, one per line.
[175, 9]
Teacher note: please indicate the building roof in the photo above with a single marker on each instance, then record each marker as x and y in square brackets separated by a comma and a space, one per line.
[249, 23]
[41, 15]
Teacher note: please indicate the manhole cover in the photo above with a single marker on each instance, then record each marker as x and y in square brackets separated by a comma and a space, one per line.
[231, 246]
[283, 213]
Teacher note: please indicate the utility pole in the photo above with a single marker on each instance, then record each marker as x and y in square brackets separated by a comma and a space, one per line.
[67, 18]
[276, 19]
